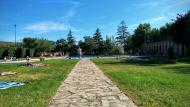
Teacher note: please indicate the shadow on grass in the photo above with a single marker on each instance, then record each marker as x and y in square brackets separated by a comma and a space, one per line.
[155, 62]
[147, 61]
[179, 69]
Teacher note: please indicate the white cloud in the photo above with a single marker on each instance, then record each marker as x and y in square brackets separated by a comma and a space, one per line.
[155, 20]
[72, 11]
[47, 27]
[133, 26]
[151, 21]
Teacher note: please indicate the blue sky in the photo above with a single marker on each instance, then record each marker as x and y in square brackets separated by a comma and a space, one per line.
[53, 18]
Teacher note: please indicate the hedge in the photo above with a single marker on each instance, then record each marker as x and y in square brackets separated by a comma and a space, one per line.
[2, 49]
[11, 51]
[29, 52]
[20, 52]
[16, 52]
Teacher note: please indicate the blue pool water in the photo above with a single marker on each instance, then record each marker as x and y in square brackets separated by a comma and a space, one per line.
[5, 85]
[7, 60]
[82, 57]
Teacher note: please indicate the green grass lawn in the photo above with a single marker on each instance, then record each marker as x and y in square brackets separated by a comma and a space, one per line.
[41, 83]
[150, 82]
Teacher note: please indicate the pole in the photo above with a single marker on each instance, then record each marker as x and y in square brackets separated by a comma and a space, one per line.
[15, 34]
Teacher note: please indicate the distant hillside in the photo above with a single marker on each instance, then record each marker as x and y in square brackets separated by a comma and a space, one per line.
[4, 44]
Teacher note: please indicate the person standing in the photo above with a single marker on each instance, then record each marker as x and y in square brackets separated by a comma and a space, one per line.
[28, 61]
[79, 50]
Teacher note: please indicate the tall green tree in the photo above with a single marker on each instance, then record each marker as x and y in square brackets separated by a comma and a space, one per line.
[71, 46]
[182, 30]
[44, 45]
[141, 35]
[129, 47]
[166, 32]
[70, 38]
[109, 46]
[97, 36]
[31, 45]
[61, 46]
[122, 34]
[155, 35]
[30, 42]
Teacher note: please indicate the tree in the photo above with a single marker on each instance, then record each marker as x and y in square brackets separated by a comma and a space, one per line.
[154, 35]
[44, 45]
[141, 35]
[88, 46]
[97, 36]
[182, 32]
[129, 47]
[71, 46]
[20, 52]
[98, 41]
[30, 42]
[166, 32]
[82, 45]
[70, 38]
[109, 46]
[31, 45]
[122, 34]
[61, 46]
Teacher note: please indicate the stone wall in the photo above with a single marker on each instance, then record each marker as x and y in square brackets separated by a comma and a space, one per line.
[161, 48]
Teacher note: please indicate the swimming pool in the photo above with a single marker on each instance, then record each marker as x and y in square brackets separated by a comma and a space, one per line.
[8, 60]
[82, 57]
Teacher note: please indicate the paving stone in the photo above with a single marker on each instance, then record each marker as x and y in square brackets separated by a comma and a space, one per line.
[105, 103]
[87, 86]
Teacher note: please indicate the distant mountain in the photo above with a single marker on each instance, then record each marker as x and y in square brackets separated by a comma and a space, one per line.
[5, 44]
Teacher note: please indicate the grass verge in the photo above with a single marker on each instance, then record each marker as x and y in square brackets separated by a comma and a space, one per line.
[150, 82]
[41, 83]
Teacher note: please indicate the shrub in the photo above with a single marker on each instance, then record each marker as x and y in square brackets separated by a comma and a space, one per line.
[20, 52]
[29, 52]
[2, 49]
[24, 52]
[37, 53]
[7, 51]
[11, 51]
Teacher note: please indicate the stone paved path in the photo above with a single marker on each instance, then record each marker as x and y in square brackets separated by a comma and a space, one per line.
[87, 86]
